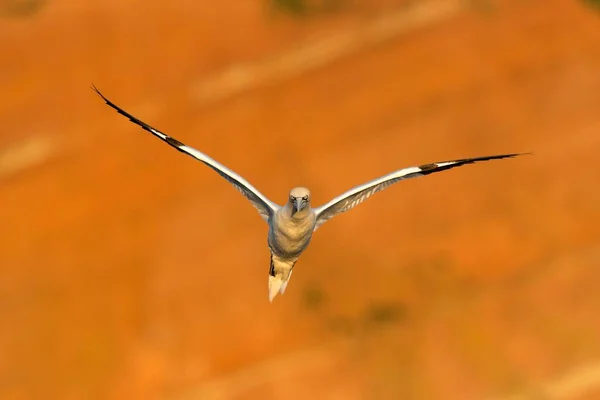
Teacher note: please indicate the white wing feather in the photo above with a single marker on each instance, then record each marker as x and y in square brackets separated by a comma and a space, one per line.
[357, 195]
[266, 208]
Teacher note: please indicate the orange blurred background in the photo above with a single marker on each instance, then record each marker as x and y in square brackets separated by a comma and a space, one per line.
[130, 271]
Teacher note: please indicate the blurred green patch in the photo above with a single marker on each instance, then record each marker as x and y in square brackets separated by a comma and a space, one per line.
[382, 313]
[593, 3]
[484, 6]
[305, 7]
[20, 8]
[376, 315]
[296, 7]
[314, 297]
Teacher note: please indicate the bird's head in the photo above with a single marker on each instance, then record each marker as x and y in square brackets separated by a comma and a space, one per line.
[299, 199]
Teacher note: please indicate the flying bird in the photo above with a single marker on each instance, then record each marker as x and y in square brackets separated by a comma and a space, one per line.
[291, 226]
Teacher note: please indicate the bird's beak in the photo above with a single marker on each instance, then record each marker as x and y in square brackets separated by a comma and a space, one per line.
[298, 205]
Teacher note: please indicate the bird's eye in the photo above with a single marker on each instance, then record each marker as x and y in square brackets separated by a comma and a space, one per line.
[305, 198]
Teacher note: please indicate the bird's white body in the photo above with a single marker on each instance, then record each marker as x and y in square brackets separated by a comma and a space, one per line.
[291, 227]
[289, 235]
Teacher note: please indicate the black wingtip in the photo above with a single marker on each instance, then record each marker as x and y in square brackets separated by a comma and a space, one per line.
[510, 155]
[486, 158]
[513, 155]
[427, 169]
[497, 157]
[95, 89]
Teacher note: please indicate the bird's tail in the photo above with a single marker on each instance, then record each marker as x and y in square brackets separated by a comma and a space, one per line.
[276, 285]
[279, 276]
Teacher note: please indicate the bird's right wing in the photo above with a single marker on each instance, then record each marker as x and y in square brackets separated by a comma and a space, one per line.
[266, 208]
[357, 195]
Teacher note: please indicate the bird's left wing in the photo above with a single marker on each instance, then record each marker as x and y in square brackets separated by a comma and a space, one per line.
[357, 195]
[265, 207]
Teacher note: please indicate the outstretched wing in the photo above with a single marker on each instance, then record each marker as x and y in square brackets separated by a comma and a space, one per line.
[265, 207]
[357, 195]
